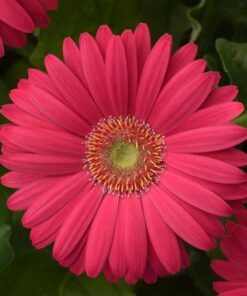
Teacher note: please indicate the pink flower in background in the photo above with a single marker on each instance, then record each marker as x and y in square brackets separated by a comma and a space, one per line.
[121, 152]
[234, 268]
[18, 17]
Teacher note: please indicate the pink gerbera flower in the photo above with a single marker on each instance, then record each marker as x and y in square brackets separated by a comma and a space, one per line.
[18, 17]
[234, 270]
[121, 152]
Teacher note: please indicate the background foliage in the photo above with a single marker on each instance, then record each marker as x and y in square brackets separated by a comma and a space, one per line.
[219, 27]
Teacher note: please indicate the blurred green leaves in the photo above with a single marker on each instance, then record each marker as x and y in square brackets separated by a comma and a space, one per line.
[234, 59]
[6, 251]
[37, 274]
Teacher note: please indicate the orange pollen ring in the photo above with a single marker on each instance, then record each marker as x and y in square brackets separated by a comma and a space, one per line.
[124, 155]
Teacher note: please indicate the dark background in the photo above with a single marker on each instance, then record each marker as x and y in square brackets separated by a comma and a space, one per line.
[219, 27]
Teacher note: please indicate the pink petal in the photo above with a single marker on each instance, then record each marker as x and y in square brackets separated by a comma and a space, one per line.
[78, 266]
[206, 168]
[103, 36]
[77, 222]
[49, 4]
[21, 98]
[234, 253]
[195, 194]
[207, 139]
[130, 278]
[15, 16]
[1, 47]
[221, 95]
[240, 236]
[162, 237]
[110, 276]
[13, 113]
[178, 81]
[187, 228]
[135, 237]
[155, 262]
[132, 70]
[94, 71]
[116, 76]
[117, 256]
[48, 229]
[43, 81]
[149, 276]
[101, 235]
[181, 58]
[225, 191]
[57, 112]
[45, 141]
[36, 11]
[237, 292]
[143, 45]
[71, 55]
[69, 87]
[210, 223]
[228, 286]
[18, 180]
[232, 156]
[184, 103]
[11, 36]
[225, 270]
[184, 255]
[55, 198]
[242, 216]
[152, 76]
[28, 194]
[76, 258]
[214, 115]
[41, 164]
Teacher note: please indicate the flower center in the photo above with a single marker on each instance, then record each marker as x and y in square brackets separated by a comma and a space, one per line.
[124, 155]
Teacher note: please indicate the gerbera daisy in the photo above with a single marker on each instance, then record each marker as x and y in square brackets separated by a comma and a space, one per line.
[18, 17]
[234, 270]
[121, 152]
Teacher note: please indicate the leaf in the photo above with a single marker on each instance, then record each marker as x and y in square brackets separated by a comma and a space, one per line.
[234, 58]
[202, 274]
[194, 14]
[218, 18]
[241, 120]
[5, 214]
[74, 17]
[37, 274]
[166, 16]
[98, 286]
[6, 251]
[14, 72]
[179, 285]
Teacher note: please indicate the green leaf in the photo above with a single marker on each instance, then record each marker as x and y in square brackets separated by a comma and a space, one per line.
[6, 251]
[14, 72]
[74, 17]
[5, 214]
[37, 274]
[99, 286]
[166, 16]
[194, 14]
[202, 274]
[234, 58]
[241, 120]
[179, 285]
[218, 18]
